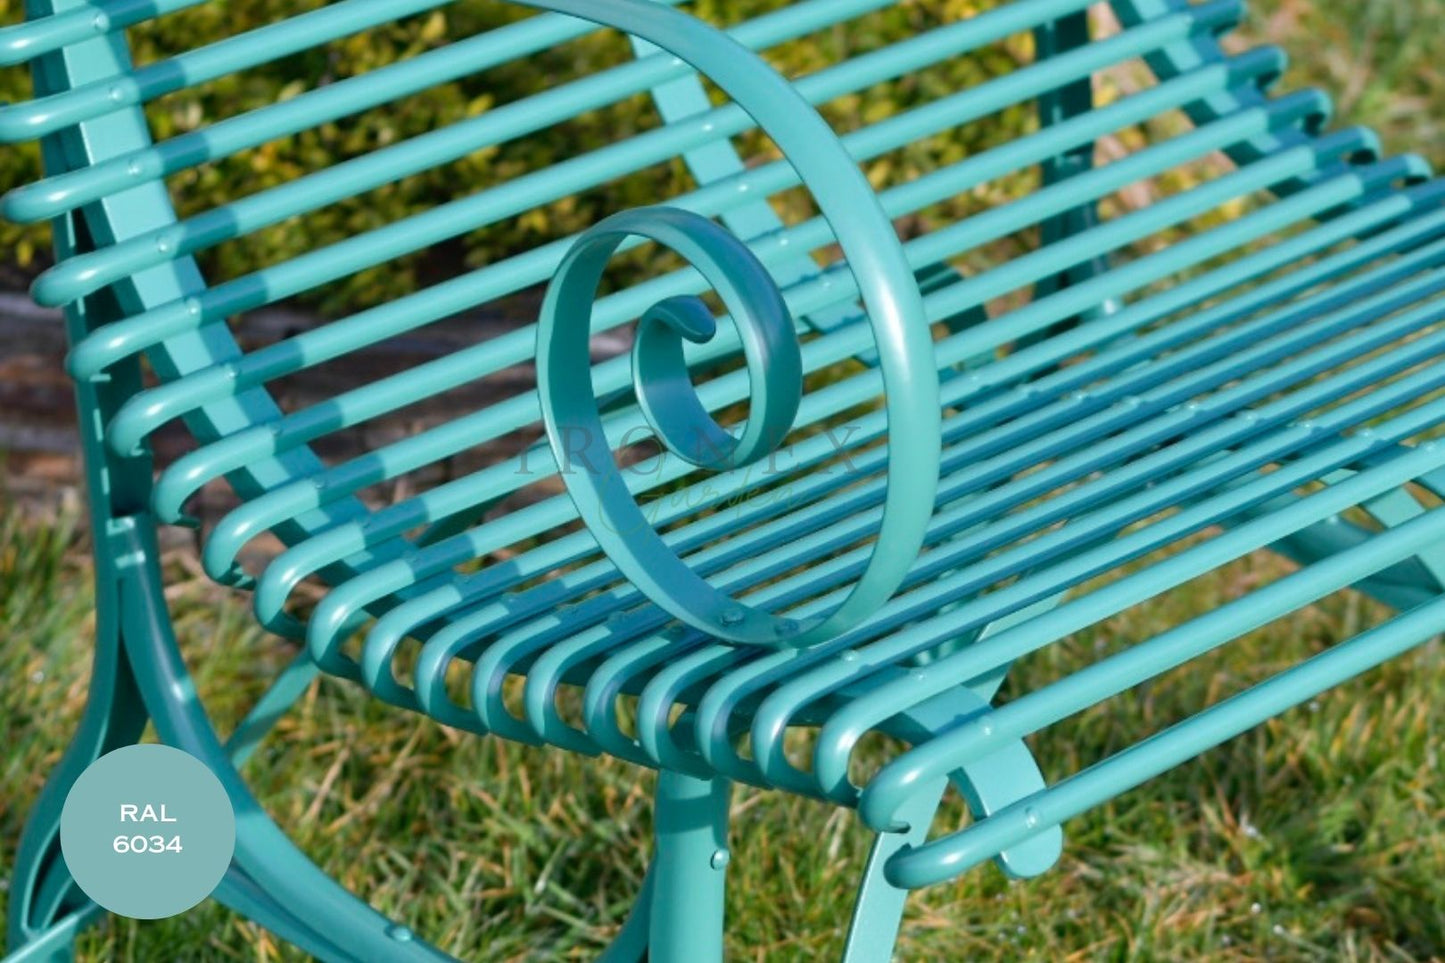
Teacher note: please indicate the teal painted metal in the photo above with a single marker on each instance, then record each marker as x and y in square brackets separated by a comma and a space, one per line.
[668, 401]
[690, 861]
[1145, 400]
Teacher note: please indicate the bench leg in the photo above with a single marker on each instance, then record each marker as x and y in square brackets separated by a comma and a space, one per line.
[56, 944]
[290, 893]
[987, 785]
[878, 913]
[630, 946]
[240, 893]
[688, 869]
[1070, 100]
[46, 909]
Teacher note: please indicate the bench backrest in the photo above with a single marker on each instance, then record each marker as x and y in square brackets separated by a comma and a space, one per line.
[920, 109]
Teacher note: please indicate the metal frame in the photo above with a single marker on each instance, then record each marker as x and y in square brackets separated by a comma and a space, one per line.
[125, 260]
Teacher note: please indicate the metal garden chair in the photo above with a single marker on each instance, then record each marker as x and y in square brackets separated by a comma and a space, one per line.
[863, 552]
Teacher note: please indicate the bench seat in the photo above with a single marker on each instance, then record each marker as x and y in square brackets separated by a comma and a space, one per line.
[1192, 423]
[1196, 433]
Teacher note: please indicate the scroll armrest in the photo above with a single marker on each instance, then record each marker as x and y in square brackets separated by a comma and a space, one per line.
[889, 293]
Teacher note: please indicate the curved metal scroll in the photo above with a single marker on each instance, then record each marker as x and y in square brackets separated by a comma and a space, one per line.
[887, 288]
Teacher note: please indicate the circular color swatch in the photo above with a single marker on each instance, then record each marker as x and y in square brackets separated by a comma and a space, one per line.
[147, 831]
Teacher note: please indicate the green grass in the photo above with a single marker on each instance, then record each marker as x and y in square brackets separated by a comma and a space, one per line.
[1379, 60]
[1316, 837]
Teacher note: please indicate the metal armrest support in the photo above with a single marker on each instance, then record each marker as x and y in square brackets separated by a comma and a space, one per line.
[889, 293]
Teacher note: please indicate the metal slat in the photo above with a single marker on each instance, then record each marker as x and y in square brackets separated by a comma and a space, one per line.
[27, 41]
[986, 654]
[746, 677]
[85, 273]
[1114, 675]
[1106, 443]
[36, 118]
[958, 852]
[491, 668]
[67, 190]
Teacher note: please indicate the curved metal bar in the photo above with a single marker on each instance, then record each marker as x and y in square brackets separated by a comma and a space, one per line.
[659, 369]
[488, 675]
[263, 851]
[668, 400]
[889, 293]
[988, 783]
[685, 98]
[878, 911]
[655, 705]
[957, 852]
[551, 669]
[611, 678]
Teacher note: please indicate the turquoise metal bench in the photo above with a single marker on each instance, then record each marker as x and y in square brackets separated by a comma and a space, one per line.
[924, 476]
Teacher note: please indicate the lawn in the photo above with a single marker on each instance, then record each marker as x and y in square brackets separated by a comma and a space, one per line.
[1316, 837]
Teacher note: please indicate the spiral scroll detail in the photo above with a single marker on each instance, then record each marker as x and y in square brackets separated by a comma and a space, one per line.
[668, 399]
[893, 306]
